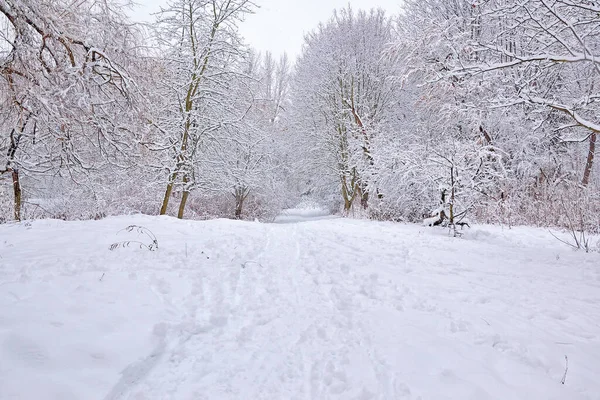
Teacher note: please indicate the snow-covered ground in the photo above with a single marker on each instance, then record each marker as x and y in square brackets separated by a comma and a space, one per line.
[325, 309]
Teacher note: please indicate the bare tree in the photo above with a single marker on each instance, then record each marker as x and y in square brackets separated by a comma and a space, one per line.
[201, 50]
[343, 96]
[63, 82]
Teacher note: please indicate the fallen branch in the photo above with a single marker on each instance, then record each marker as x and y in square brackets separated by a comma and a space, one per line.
[566, 369]
[141, 231]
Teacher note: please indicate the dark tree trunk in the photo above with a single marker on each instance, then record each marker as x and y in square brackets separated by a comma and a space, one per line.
[165, 203]
[364, 199]
[590, 160]
[17, 193]
[239, 204]
[184, 197]
[241, 194]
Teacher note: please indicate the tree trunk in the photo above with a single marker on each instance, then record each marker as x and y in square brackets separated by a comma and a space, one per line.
[347, 201]
[17, 193]
[241, 194]
[590, 159]
[239, 204]
[348, 198]
[165, 202]
[184, 197]
[451, 208]
[364, 198]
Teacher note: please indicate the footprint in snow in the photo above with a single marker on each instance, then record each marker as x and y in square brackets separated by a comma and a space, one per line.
[24, 351]
[459, 326]
[163, 287]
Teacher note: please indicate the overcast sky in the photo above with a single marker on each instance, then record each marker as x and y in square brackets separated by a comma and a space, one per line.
[280, 25]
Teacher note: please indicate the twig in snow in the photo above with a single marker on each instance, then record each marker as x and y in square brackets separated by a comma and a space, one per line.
[566, 369]
[484, 320]
[575, 246]
[102, 276]
[244, 265]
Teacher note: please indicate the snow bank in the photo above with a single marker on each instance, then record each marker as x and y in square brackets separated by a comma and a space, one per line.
[327, 309]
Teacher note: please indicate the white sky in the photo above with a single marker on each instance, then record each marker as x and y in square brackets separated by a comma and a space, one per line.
[280, 25]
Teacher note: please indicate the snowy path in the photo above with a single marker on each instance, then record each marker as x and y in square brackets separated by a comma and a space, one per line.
[323, 309]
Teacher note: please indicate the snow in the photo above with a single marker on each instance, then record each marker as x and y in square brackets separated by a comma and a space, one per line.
[302, 215]
[431, 220]
[323, 309]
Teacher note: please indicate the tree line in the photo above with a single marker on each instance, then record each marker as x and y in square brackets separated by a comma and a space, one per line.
[486, 110]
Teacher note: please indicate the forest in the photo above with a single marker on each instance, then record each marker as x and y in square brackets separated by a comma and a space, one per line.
[375, 216]
[486, 111]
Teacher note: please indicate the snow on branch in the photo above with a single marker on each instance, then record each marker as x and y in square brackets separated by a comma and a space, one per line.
[560, 107]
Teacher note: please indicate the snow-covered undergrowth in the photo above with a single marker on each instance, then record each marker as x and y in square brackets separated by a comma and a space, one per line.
[327, 309]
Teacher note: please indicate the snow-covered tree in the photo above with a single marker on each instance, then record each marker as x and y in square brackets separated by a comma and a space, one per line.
[201, 52]
[66, 94]
[511, 81]
[342, 98]
[547, 51]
